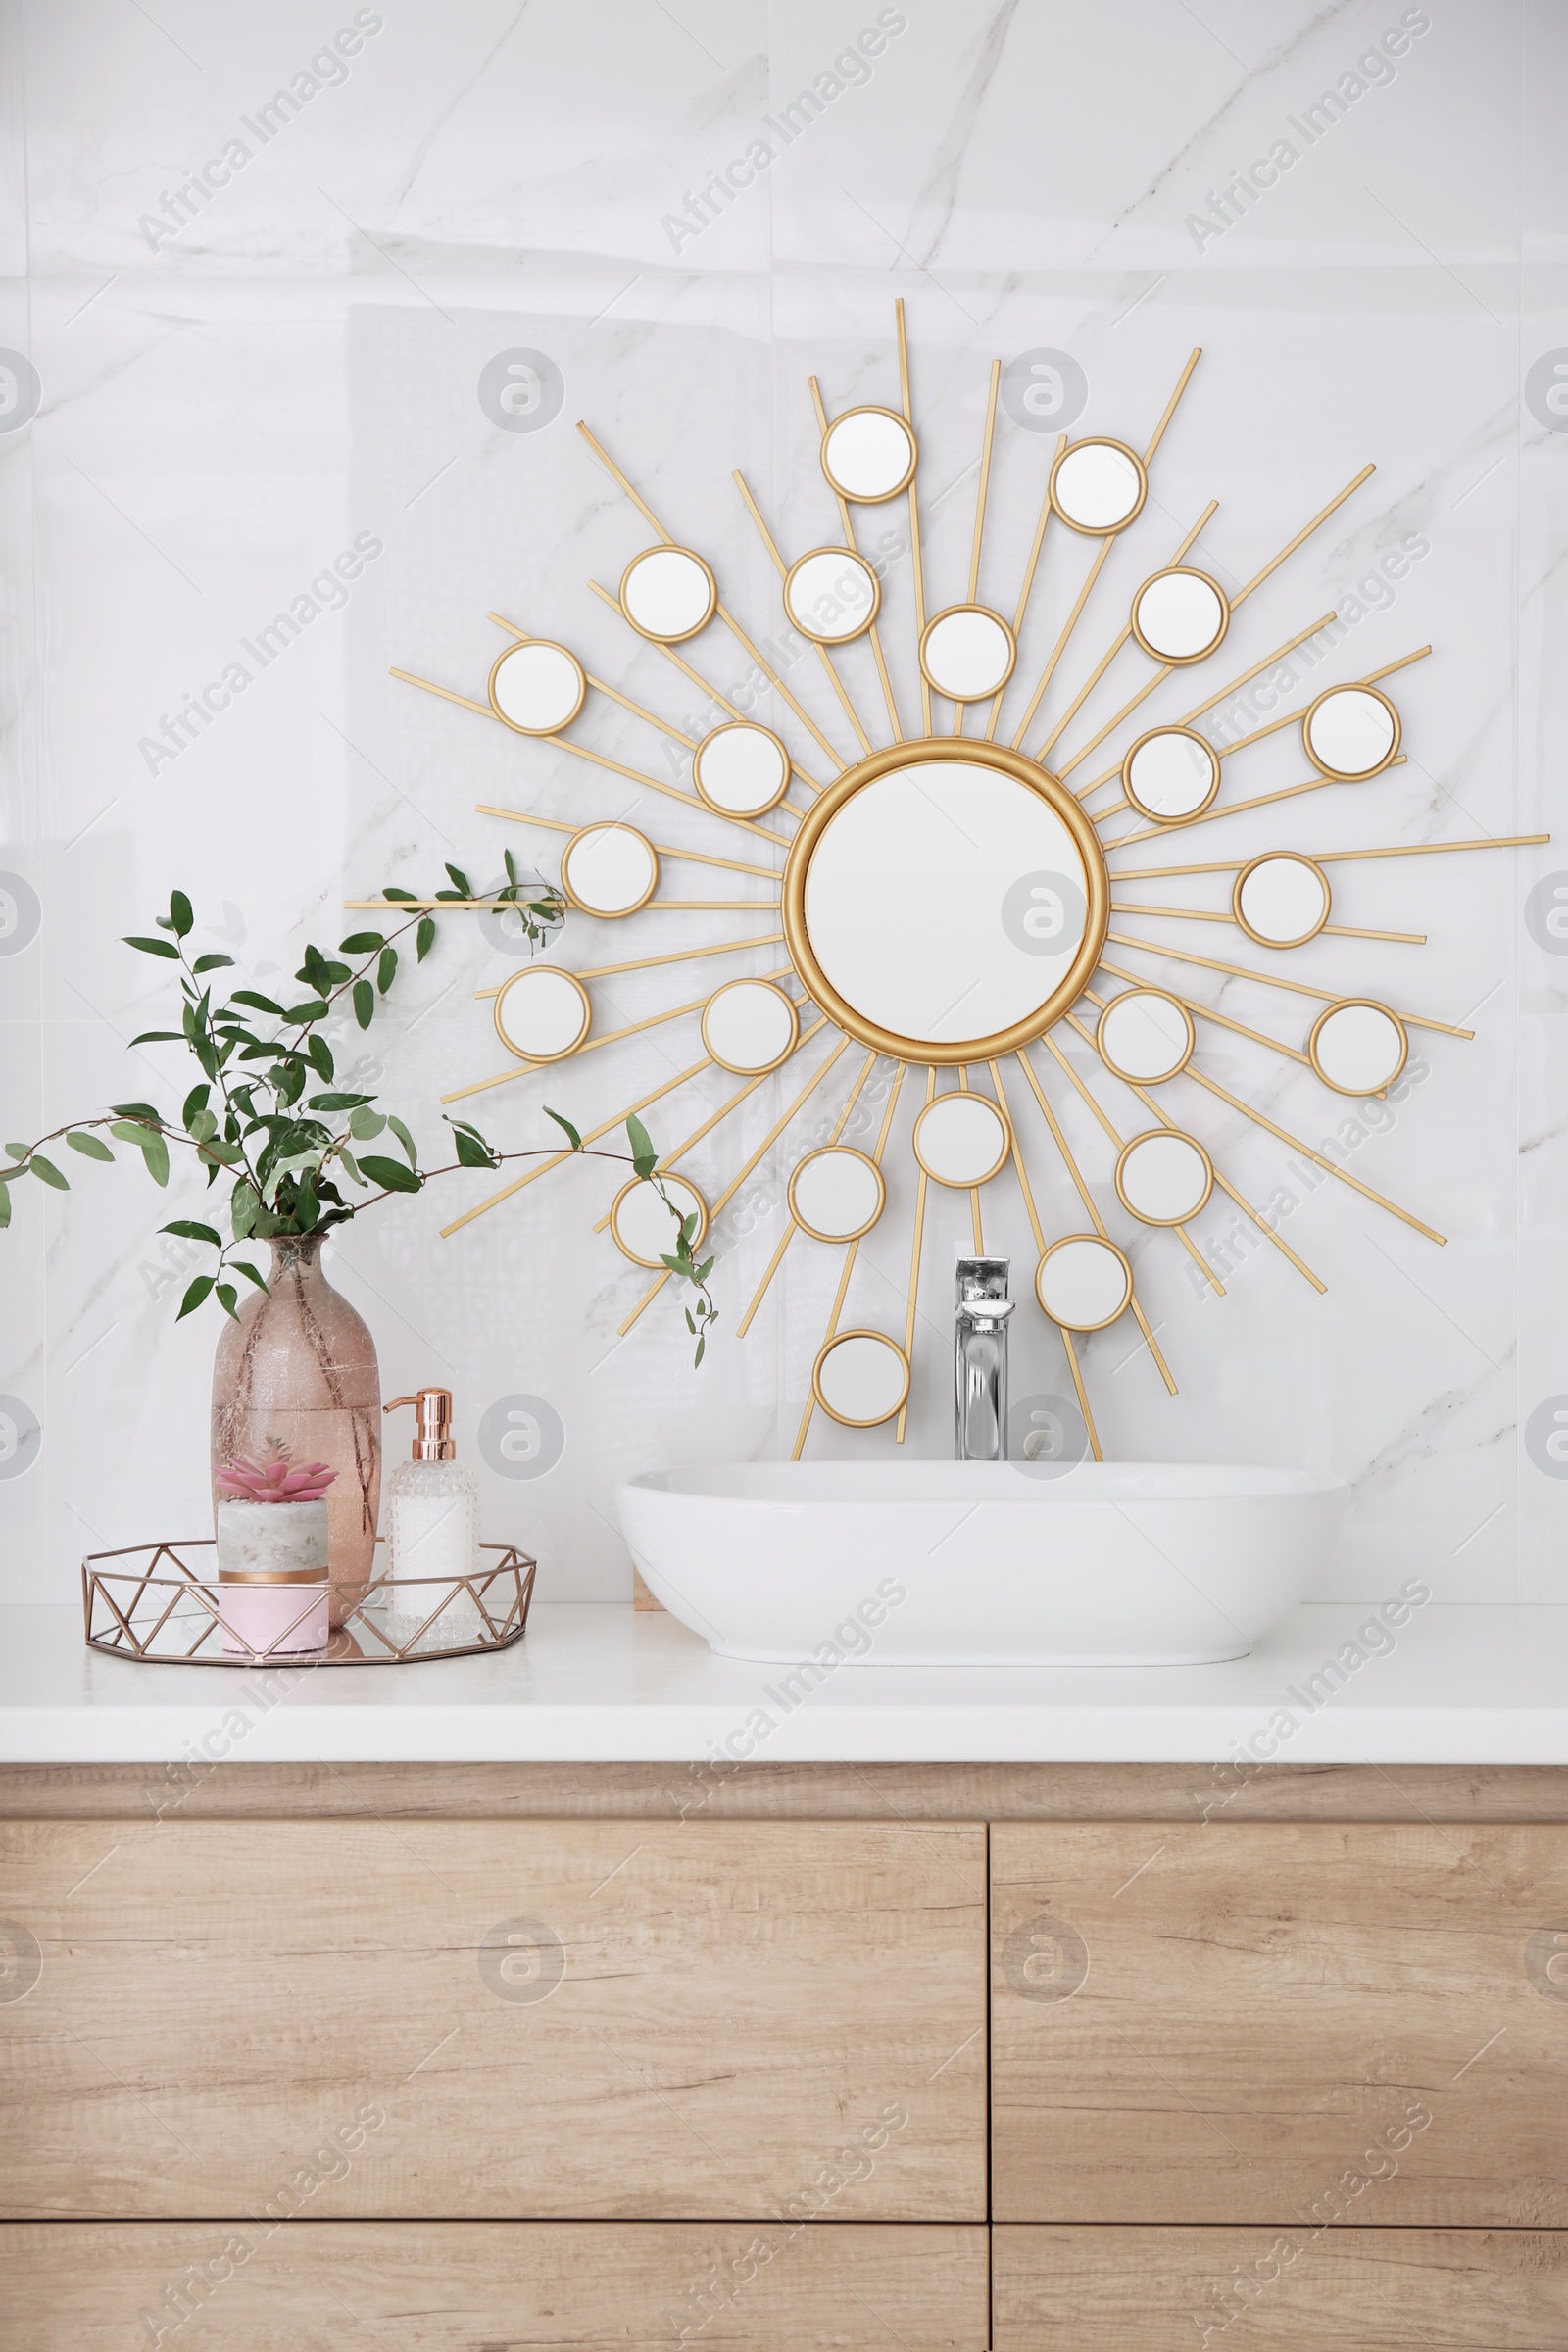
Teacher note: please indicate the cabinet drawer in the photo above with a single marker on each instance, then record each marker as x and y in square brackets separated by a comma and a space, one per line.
[1380, 2290]
[505, 2018]
[456, 2286]
[1278, 2022]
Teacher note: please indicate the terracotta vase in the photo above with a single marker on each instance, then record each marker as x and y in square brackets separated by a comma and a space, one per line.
[299, 1370]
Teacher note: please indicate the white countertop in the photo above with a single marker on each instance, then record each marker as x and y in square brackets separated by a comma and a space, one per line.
[1461, 1686]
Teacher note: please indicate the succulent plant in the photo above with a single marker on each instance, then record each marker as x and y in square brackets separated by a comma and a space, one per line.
[280, 1480]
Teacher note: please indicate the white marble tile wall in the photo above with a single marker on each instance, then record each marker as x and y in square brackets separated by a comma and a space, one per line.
[231, 391]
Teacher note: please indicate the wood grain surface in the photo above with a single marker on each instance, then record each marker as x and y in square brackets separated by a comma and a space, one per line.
[1249, 2022]
[688, 2020]
[452, 2286]
[1261, 2290]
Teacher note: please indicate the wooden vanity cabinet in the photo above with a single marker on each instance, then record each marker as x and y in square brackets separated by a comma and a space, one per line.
[457, 2058]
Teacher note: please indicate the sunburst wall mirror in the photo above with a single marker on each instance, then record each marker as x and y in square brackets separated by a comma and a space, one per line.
[1050, 872]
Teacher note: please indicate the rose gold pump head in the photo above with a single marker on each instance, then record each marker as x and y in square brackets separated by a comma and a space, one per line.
[433, 1441]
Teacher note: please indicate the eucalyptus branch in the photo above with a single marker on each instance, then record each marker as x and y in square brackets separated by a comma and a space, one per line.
[288, 1183]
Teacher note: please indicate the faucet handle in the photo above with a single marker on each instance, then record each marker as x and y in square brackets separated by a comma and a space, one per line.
[982, 1278]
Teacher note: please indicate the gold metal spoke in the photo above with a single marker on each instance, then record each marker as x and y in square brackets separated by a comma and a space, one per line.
[849, 1265]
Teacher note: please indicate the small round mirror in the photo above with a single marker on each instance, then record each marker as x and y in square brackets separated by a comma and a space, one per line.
[1281, 899]
[609, 870]
[1351, 732]
[1170, 774]
[961, 1140]
[861, 1377]
[1357, 1047]
[967, 653]
[1163, 1178]
[1083, 1283]
[642, 1224]
[741, 769]
[831, 595]
[668, 594]
[750, 1026]
[1146, 1035]
[1099, 486]
[1179, 615]
[542, 1014]
[868, 455]
[836, 1195]
[537, 688]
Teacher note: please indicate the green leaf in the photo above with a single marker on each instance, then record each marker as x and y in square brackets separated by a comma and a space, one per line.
[471, 1153]
[159, 1037]
[363, 1003]
[424, 938]
[386, 969]
[191, 1232]
[567, 1127]
[50, 1173]
[690, 1325]
[210, 963]
[243, 1209]
[391, 1175]
[701, 1345]
[18, 1150]
[194, 1295]
[364, 1124]
[88, 1146]
[180, 917]
[201, 1125]
[197, 1100]
[644, 1159]
[155, 947]
[704, 1271]
[320, 1053]
[226, 1299]
[131, 1131]
[5, 1206]
[391, 891]
[314, 1009]
[405, 1139]
[460, 881]
[337, 1102]
[228, 1155]
[248, 996]
[361, 943]
[137, 1110]
[249, 1271]
[155, 1152]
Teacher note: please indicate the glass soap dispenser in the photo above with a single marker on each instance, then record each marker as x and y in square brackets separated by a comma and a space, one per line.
[433, 1528]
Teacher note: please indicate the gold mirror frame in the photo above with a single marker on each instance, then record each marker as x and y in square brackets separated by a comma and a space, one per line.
[1280, 947]
[1155, 1134]
[1357, 1093]
[659, 636]
[848, 555]
[927, 751]
[615, 914]
[634, 1184]
[982, 694]
[1130, 995]
[858, 497]
[559, 972]
[1189, 735]
[1104, 1241]
[532, 643]
[1090, 530]
[1180, 571]
[878, 1420]
[1350, 775]
[838, 1152]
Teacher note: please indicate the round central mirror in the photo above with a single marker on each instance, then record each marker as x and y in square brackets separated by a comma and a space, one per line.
[1163, 1178]
[945, 900]
[1179, 615]
[537, 688]
[750, 1026]
[1170, 774]
[1146, 1035]
[836, 1193]
[609, 870]
[961, 1140]
[832, 595]
[644, 1229]
[967, 653]
[741, 769]
[1082, 1282]
[868, 455]
[861, 1378]
[1351, 732]
[1281, 900]
[542, 1014]
[1099, 486]
[668, 594]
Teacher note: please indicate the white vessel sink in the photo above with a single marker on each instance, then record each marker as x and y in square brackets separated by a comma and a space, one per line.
[982, 1563]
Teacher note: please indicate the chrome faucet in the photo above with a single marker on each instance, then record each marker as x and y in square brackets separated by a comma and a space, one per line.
[980, 1360]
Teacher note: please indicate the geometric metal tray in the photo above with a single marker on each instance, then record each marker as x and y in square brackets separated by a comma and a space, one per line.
[160, 1607]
